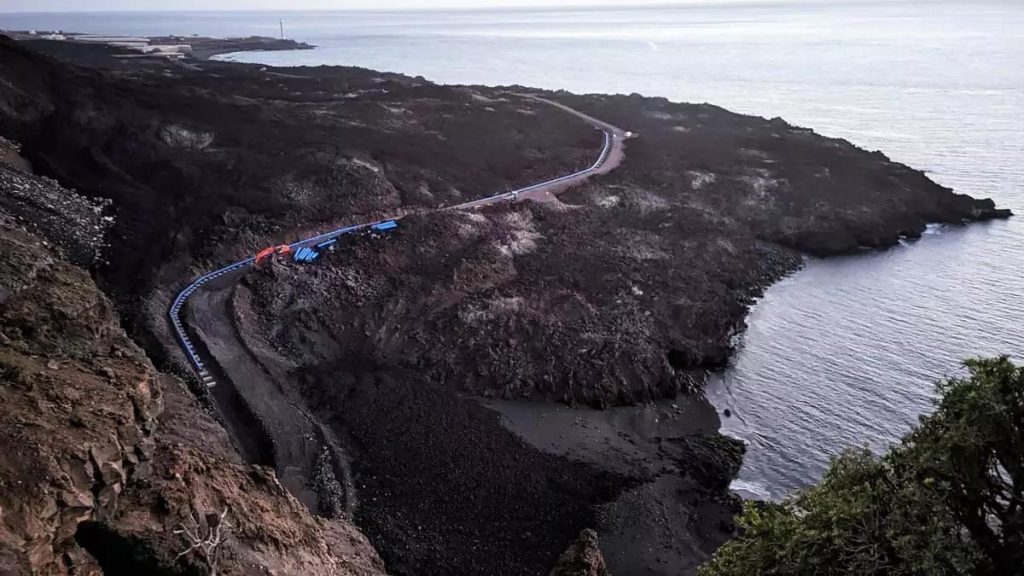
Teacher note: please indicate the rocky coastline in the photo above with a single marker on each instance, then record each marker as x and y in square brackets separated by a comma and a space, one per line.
[483, 388]
[101, 50]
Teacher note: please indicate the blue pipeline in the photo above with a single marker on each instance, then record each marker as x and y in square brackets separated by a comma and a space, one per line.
[305, 254]
[179, 302]
[175, 311]
[385, 225]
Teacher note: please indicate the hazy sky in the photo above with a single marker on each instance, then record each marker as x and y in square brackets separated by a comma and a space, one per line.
[190, 5]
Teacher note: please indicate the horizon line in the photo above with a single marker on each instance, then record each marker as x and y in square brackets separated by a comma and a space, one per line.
[584, 6]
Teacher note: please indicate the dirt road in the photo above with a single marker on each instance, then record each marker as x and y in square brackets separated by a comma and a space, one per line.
[611, 156]
[265, 416]
[249, 380]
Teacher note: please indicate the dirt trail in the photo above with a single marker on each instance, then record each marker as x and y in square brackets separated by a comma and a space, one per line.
[298, 450]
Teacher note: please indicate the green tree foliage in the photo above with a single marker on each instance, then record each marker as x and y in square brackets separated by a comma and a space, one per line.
[949, 499]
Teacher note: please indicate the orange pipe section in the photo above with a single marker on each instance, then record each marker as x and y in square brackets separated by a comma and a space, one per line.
[271, 251]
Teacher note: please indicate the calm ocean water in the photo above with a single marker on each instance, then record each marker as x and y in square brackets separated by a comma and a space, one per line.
[844, 352]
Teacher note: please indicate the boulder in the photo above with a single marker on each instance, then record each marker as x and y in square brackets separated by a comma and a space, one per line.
[582, 558]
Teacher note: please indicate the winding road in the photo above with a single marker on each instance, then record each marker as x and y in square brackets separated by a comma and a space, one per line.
[612, 154]
[255, 397]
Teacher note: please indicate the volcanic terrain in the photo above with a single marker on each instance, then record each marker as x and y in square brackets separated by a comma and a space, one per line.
[475, 390]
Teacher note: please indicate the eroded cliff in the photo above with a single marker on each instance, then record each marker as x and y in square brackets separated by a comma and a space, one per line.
[105, 458]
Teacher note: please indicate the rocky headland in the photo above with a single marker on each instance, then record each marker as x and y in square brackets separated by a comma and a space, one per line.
[474, 390]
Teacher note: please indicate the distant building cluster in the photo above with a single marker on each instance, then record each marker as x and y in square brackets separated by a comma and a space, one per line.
[143, 47]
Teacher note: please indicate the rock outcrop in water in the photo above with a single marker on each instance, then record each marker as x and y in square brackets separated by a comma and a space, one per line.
[626, 290]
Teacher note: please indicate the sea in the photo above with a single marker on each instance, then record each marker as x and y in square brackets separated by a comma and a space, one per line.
[845, 352]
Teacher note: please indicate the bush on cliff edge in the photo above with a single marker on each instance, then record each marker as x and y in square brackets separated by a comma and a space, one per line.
[948, 499]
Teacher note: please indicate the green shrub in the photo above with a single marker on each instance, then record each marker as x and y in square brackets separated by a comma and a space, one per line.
[948, 499]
